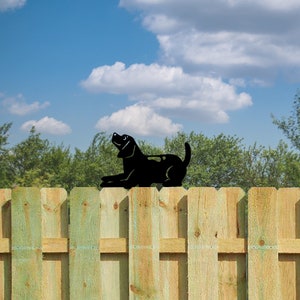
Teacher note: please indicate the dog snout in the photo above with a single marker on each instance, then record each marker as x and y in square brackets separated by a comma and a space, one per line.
[115, 136]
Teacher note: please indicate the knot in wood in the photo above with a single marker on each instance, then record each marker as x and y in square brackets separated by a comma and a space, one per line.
[197, 233]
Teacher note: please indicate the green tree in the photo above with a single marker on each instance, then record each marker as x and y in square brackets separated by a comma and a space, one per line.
[277, 167]
[218, 161]
[34, 162]
[100, 159]
[291, 126]
[4, 129]
[4, 153]
[56, 163]
[26, 161]
[225, 161]
[215, 161]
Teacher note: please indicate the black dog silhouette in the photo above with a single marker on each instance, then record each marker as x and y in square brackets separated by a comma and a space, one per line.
[143, 170]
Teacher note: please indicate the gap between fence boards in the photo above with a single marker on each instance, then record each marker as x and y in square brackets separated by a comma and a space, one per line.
[167, 245]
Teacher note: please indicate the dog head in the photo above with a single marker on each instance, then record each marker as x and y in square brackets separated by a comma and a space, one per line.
[125, 144]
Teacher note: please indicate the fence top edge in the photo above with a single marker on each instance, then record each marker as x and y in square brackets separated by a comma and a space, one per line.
[179, 188]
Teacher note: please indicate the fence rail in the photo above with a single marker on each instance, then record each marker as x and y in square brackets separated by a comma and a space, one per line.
[200, 243]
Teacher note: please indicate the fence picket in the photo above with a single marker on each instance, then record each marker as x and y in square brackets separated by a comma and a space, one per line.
[5, 233]
[263, 244]
[203, 217]
[289, 228]
[26, 244]
[55, 225]
[173, 224]
[143, 243]
[85, 282]
[114, 224]
[232, 267]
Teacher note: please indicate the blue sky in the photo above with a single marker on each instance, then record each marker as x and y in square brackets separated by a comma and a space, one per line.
[148, 68]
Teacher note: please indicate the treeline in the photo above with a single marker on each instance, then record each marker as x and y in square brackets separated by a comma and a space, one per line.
[218, 161]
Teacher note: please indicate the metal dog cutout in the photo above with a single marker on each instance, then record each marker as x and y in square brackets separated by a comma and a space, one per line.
[144, 170]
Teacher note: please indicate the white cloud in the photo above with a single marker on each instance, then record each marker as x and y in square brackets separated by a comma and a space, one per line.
[239, 82]
[209, 49]
[161, 23]
[17, 105]
[11, 4]
[169, 90]
[140, 120]
[175, 5]
[229, 54]
[232, 38]
[269, 4]
[137, 79]
[47, 125]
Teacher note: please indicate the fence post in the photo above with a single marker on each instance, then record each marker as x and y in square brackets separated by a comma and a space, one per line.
[26, 244]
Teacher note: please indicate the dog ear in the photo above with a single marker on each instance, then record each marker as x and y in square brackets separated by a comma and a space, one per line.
[127, 152]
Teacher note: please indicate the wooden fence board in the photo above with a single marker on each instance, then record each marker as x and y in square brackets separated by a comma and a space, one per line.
[5, 233]
[143, 243]
[263, 244]
[114, 224]
[202, 229]
[26, 244]
[232, 267]
[173, 225]
[55, 225]
[149, 244]
[85, 282]
[289, 228]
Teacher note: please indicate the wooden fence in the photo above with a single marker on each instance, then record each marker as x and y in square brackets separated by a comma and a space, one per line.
[200, 243]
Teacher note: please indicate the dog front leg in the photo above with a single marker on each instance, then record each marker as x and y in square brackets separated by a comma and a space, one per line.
[109, 181]
[121, 180]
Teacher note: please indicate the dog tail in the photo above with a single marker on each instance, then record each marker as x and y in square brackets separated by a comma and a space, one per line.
[187, 158]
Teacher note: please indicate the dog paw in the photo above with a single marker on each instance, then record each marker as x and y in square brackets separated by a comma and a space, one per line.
[105, 178]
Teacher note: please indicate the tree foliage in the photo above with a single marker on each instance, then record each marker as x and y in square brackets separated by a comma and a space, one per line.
[290, 126]
[5, 170]
[215, 161]
[270, 167]
[218, 161]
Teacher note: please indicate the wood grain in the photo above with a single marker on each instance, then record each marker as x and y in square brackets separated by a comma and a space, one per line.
[54, 227]
[203, 214]
[85, 280]
[5, 234]
[149, 244]
[143, 244]
[263, 271]
[26, 244]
